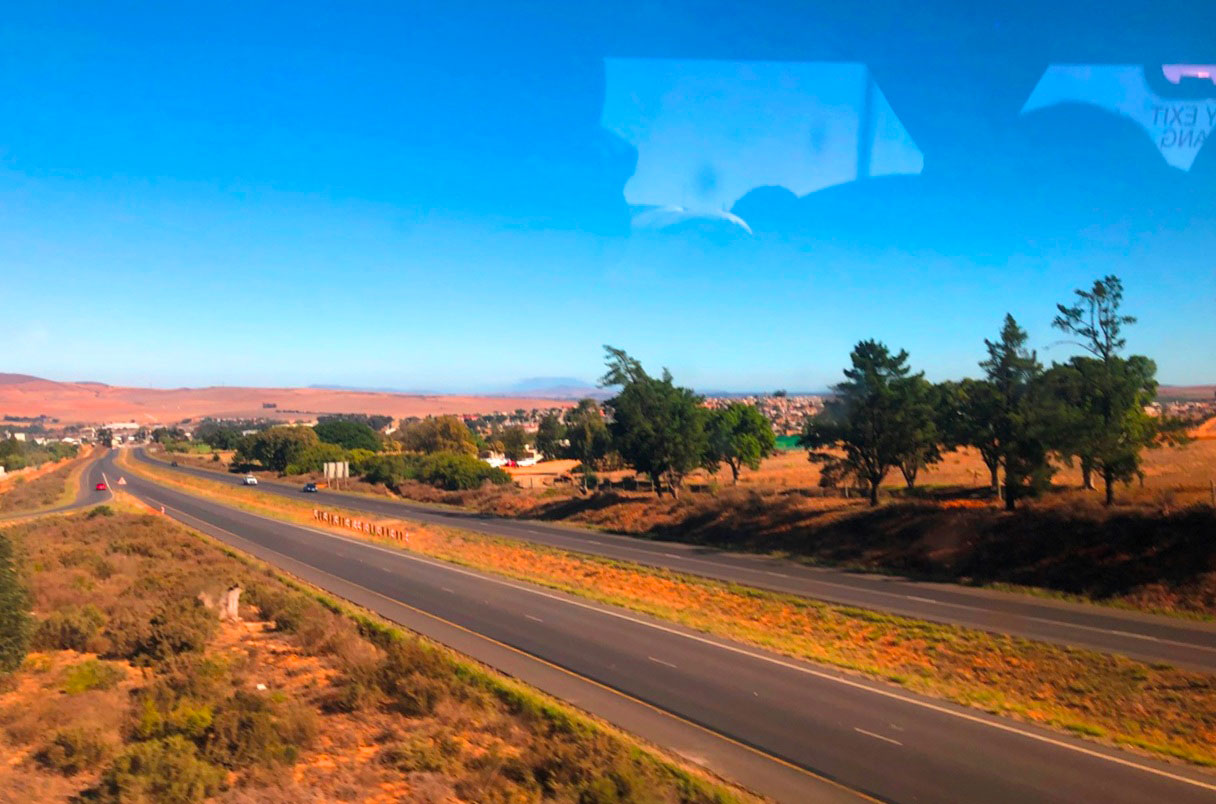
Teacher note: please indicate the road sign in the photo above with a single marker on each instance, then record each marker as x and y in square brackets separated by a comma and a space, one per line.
[122, 481]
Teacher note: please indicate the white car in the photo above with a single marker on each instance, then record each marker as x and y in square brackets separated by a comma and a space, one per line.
[250, 480]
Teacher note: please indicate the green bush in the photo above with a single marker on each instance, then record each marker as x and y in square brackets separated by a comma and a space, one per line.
[167, 770]
[177, 627]
[14, 611]
[456, 471]
[92, 675]
[348, 434]
[422, 754]
[453, 471]
[101, 510]
[252, 729]
[69, 628]
[71, 751]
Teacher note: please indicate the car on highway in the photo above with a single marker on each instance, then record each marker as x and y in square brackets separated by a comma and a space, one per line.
[249, 480]
[101, 487]
[309, 488]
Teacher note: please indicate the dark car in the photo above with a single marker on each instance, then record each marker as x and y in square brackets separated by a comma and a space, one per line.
[101, 486]
[173, 463]
[310, 487]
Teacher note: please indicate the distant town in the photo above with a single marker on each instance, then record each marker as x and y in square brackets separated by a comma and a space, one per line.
[787, 414]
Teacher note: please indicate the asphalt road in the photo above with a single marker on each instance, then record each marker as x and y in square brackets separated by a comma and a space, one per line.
[782, 727]
[86, 491]
[1184, 643]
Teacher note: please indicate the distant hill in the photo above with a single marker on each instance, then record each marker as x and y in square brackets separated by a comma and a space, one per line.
[16, 379]
[1186, 392]
[558, 388]
[97, 403]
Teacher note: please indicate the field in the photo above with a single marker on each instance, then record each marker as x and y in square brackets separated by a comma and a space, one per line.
[1075, 690]
[136, 690]
[90, 402]
[46, 487]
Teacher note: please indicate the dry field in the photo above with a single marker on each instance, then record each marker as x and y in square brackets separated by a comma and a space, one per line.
[90, 402]
[1188, 468]
[136, 691]
[1079, 691]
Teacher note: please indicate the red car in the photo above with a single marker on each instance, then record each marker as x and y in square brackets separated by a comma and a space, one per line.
[101, 486]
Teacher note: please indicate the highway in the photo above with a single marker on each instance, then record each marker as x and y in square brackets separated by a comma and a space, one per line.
[784, 728]
[1184, 643]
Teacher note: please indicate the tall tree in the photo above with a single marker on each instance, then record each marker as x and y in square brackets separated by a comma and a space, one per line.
[348, 434]
[1095, 319]
[921, 447]
[966, 418]
[1013, 372]
[514, 443]
[550, 435]
[867, 418]
[739, 435]
[1110, 393]
[15, 620]
[587, 435]
[657, 427]
[437, 434]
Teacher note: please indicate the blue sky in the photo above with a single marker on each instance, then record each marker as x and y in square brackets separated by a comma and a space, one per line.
[230, 196]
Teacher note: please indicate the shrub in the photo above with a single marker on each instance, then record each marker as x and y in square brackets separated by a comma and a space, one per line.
[84, 557]
[350, 694]
[422, 754]
[168, 770]
[92, 675]
[71, 751]
[288, 611]
[176, 627]
[101, 510]
[456, 471]
[14, 611]
[69, 628]
[251, 729]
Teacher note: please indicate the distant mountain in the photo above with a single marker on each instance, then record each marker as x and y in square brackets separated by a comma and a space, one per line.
[372, 390]
[557, 388]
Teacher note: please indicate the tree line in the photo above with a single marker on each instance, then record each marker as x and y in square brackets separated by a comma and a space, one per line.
[1021, 417]
[1090, 410]
[661, 430]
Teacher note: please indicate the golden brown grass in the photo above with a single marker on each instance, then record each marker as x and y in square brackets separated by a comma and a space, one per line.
[298, 701]
[1172, 712]
[47, 491]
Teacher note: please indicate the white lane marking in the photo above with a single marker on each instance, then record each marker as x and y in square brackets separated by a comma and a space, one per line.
[876, 736]
[670, 555]
[537, 619]
[660, 661]
[920, 599]
[447, 589]
[776, 574]
[1009, 728]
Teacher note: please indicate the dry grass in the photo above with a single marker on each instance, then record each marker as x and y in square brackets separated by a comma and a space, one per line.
[46, 491]
[1158, 709]
[298, 702]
